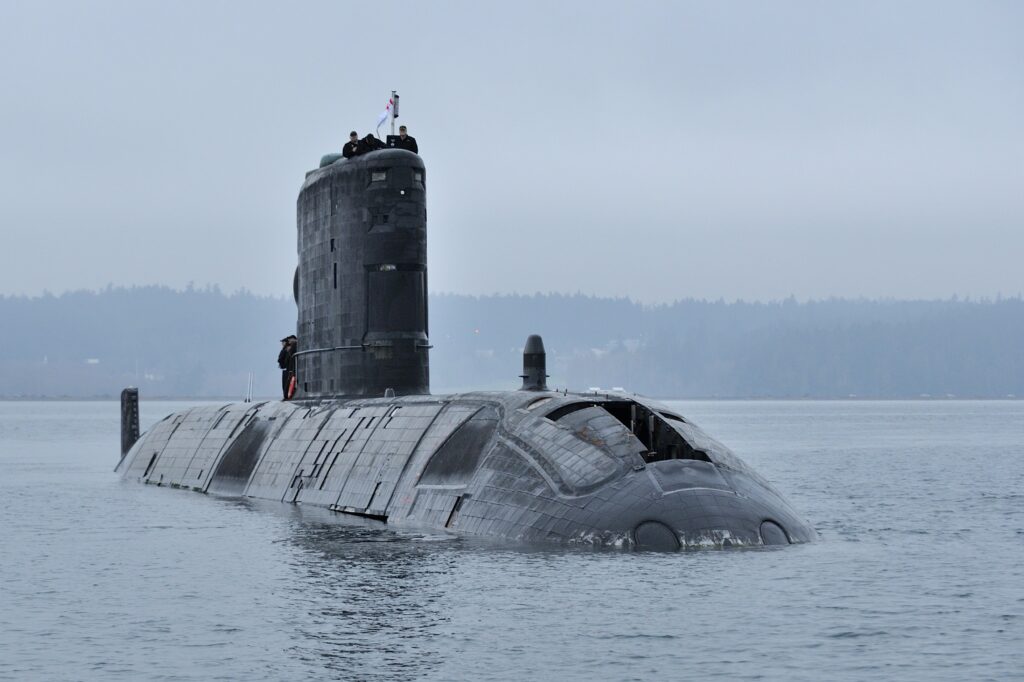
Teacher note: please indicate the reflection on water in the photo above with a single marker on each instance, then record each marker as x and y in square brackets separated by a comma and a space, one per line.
[920, 573]
[370, 599]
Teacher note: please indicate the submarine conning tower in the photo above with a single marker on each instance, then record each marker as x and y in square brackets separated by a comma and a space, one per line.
[361, 285]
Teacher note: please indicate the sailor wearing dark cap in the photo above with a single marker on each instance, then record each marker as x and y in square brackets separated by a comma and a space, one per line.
[406, 141]
[351, 147]
[282, 362]
[286, 361]
[369, 144]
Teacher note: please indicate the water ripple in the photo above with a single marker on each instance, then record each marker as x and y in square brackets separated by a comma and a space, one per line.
[920, 574]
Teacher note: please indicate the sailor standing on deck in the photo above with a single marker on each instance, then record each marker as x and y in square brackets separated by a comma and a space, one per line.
[283, 360]
[293, 349]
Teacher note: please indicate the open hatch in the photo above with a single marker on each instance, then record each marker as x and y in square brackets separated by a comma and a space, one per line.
[653, 429]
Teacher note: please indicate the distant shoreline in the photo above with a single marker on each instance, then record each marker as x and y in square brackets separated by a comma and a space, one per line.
[91, 345]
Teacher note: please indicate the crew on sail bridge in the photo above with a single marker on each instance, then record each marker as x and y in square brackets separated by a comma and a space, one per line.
[355, 146]
[405, 141]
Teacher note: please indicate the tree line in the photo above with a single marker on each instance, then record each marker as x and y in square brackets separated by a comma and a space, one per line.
[204, 343]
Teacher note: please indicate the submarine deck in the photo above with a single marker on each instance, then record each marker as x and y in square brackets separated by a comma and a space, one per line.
[518, 464]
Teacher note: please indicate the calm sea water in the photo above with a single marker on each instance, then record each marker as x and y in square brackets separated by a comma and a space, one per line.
[919, 575]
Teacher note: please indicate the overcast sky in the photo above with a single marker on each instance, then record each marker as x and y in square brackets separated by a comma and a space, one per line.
[653, 150]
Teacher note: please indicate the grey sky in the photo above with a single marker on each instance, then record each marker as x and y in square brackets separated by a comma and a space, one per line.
[654, 150]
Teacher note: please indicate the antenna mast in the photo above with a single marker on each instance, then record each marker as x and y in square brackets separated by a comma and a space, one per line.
[394, 110]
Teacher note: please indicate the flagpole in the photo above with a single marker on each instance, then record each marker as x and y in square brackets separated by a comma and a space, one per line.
[393, 112]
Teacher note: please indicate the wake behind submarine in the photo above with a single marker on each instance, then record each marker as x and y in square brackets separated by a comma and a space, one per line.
[363, 436]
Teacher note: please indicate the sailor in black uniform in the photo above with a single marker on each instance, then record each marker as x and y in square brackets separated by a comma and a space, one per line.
[293, 348]
[283, 360]
[351, 147]
[404, 141]
[369, 144]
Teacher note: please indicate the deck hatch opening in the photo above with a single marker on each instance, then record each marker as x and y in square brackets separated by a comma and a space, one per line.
[660, 439]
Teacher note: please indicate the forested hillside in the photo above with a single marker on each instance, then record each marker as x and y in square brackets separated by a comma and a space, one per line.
[204, 343]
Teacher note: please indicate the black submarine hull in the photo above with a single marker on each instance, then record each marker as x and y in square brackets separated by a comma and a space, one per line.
[526, 466]
[364, 437]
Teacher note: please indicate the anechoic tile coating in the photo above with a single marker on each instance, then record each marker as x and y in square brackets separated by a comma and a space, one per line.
[584, 477]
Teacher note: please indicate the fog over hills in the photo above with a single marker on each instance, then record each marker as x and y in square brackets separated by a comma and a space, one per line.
[203, 343]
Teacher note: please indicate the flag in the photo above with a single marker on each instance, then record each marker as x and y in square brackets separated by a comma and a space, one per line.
[384, 115]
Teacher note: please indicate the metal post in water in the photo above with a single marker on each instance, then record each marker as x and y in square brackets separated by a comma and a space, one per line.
[129, 419]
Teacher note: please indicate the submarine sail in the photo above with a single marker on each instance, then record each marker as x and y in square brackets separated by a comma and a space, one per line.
[362, 282]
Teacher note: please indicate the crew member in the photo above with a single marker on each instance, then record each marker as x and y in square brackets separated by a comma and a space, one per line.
[369, 144]
[405, 141]
[351, 147]
[283, 359]
[293, 348]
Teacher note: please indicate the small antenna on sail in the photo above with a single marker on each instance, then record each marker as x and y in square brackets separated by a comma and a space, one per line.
[394, 110]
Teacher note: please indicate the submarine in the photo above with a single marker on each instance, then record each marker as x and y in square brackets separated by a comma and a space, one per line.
[363, 436]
